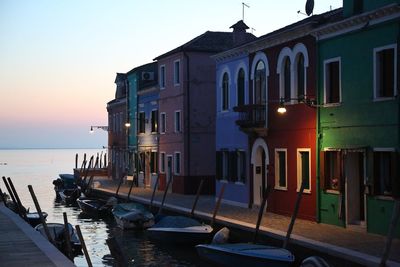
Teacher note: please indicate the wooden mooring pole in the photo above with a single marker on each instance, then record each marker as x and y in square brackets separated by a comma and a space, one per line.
[217, 205]
[164, 196]
[21, 207]
[78, 231]
[391, 232]
[39, 211]
[261, 212]
[67, 237]
[154, 192]
[197, 196]
[12, 196]
[3, 198]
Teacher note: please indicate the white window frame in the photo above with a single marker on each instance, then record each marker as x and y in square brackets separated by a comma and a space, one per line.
[377, 50]
[163, 123]
[299, 170]
[326, 62]
[175, 162]
[163, 76]
[227, 92]
[177, 74]
[277, 186]
[162, 162]
[180, 121]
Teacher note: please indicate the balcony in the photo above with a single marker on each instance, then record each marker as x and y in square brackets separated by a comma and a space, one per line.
[252, 119]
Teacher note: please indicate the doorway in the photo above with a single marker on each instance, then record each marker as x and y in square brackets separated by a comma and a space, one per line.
[354, 170]
[260, 161]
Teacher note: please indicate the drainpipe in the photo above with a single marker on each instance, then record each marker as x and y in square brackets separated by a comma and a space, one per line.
[187, 135]
[318, 136]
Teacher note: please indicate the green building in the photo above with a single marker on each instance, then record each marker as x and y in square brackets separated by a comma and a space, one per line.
[359, 115]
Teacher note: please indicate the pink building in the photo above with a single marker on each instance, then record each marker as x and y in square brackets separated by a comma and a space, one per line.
[187, 109]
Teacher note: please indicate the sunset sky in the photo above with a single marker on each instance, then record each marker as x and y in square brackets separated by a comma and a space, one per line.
[58, 59]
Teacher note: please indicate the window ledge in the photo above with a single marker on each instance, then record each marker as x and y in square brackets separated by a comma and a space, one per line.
[305, 191]
[383, 197]
[280, 188]
[239, 183]
[331, 105]
[379, 99]
[223, 181]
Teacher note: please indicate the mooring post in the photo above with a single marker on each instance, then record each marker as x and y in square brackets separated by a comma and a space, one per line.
[21, 208]
[197, 196]
[391, 232]
[12, 196]
[3, 198]
[164, 196]
[119, 185]
[76, 161]
[39, 211]
[67, 237]
[154, 192]
[261, 211]
[78, 231]
[221, 192]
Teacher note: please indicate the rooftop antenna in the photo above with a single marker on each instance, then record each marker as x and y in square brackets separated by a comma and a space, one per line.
[253, 30]
[302, 13]
[244, 5]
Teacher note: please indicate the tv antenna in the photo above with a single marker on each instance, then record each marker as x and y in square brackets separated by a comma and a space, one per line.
[244, 5]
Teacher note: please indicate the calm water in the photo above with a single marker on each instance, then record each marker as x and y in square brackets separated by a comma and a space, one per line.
[40, 167]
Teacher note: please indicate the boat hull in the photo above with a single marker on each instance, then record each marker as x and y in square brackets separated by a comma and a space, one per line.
[94, 207]
[182, 236]
[242, 254]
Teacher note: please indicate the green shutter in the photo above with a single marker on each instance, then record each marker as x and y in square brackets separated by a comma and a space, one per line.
[282, 168]
[232, 166]
[305, 171]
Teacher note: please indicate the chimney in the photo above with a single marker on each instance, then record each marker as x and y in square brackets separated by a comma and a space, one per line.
[239, 32]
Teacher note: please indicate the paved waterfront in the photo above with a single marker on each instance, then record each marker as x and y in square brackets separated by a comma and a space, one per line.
[21, 245]
[357, 246]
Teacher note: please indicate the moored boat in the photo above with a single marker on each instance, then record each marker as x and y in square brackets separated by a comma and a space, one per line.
[180, 230]
[69, 196]
[96, 207]
[132, 216]
[56, 231]
[245, 254]
[33, 218]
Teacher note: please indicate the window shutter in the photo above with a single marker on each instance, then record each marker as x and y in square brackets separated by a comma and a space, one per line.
[219, 165]
[232, 173]
[322, 181]
[394, 157]
[370, 171]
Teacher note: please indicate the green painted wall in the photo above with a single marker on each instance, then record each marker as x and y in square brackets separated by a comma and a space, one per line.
[358, 121]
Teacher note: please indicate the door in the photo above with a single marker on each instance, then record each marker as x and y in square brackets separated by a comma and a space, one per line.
[169, 172]
[355, 197]
[260, 182]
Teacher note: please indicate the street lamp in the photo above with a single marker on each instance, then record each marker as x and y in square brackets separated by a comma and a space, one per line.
[304, 100]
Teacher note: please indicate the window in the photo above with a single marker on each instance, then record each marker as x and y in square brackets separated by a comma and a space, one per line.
[153, 162]
[384, 172]
[141, 161]
[177, 161]
[260, 90]
[385, 71]
[141, 122]
[163, 124]
[241, 166]
[332, 81]
[178, 121]
[330, 170]
[300, 77]
[225, 165]
[280, 169]
[225, 92]
[162, 162]
[154, 121]
[240, 88]
[286, 79]
[176, 72]
[162, 77]
[304, 169]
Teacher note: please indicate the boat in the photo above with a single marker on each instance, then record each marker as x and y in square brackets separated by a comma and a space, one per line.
[180, 230]
[33, 218]
[97, 207]
[132, 216]
[65, 181]
[69, 196]
[57, 234]
[245, 254]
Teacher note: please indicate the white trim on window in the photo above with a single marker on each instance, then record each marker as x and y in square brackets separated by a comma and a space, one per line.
[326, 62]
[299, 169]
[162, 79]
[177, 72]
[277, 165]
[377, 50]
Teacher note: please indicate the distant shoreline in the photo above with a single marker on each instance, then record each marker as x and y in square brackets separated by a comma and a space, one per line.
[50, 148]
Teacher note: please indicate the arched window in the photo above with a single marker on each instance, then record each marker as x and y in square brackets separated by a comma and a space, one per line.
[225, 92]
[300, 77]
[240, 88]
[286, 79]
[260, 84]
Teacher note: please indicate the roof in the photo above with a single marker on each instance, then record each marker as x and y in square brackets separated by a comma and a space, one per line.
[212, 42]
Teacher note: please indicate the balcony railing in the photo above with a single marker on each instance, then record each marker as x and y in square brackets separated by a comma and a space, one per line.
[251, 116]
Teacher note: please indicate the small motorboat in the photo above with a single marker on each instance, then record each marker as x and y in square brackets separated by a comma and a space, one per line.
[180, 230]
[97, 207]
[69, 196]
[245, 254]
[33, 218]
[132, 216]
[57, 234]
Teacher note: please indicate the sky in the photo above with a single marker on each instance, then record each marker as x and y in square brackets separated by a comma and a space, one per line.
[59, 58]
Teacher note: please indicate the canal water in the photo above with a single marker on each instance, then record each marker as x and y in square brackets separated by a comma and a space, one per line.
[39, 167]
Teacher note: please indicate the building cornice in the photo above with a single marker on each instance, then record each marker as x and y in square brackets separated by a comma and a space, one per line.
[357, 22]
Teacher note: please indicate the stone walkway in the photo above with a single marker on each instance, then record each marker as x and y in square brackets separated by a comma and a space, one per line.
[356, 246]
[21, 245]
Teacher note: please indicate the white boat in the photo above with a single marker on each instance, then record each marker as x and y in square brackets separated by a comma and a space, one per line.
[132, 216]
[245, 254]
